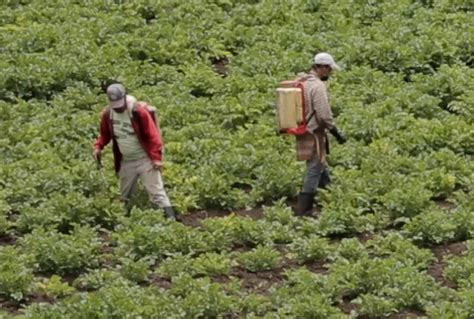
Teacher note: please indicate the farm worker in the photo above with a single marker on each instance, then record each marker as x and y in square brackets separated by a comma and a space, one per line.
[137, 146]
[316, 97]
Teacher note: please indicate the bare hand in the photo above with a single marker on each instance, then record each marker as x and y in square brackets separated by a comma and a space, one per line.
[98, 158]
[157, 165]
[97, 154]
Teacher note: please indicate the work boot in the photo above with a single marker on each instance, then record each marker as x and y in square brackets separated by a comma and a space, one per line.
[304, 204]
[169, 212]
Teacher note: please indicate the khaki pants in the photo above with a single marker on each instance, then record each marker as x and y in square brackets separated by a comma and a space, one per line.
[129, 173]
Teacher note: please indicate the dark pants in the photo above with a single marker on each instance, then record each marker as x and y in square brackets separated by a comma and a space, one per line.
[317, 175]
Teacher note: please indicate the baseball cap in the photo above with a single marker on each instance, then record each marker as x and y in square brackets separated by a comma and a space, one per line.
[324, 58]
[116, 93]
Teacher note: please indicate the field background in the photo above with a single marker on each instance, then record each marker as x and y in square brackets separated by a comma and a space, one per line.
[392, 236]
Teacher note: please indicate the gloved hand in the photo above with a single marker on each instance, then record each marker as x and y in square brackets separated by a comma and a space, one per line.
[341, 139]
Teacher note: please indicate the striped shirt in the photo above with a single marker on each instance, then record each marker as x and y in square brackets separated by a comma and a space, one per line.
[316, 99]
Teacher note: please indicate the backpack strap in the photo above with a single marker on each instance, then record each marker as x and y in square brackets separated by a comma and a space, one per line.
[150, 109]
[138, 104]
[300, 85]
[135, 106]
[301, 129]
[310, 116]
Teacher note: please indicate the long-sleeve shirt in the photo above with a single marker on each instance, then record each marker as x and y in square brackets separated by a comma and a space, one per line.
[147, 131]
[316, 99]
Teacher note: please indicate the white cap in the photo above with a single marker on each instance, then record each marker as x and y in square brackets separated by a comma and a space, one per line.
[324, 58]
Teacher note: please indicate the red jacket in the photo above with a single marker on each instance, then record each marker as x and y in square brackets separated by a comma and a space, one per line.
[148, 133]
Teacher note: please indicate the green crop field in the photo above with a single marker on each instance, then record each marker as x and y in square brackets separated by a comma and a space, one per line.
[393, 237]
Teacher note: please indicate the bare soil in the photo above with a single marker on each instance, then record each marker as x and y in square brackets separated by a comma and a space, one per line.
[258, 282]
[221, 66]
[7, 240]
[194, 219]
[407, 314]
[261, 282]
[436, 269]
[445, 204]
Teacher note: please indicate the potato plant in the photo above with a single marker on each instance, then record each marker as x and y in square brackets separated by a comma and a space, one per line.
[378, 243]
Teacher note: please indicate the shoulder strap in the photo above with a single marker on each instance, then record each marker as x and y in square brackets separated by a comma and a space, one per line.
[138, 104]
[150, 109]
[310, 116]
[135, 106]
[300, 85]
[108, 113]
[313, 113]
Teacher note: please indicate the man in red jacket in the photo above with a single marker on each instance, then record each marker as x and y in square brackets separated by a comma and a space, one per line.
[137, 146]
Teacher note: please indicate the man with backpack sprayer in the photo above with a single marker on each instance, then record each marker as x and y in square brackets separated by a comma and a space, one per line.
[319, 119]
[137, 146]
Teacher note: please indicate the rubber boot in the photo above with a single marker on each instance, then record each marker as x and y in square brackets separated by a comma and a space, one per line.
[304, 204]
[169, 212]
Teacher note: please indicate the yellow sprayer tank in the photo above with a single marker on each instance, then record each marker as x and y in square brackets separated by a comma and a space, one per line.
[289, 105]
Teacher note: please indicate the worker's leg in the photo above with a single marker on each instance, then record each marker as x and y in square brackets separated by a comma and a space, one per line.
[128, 182]
[308, 191]
[153, 184]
